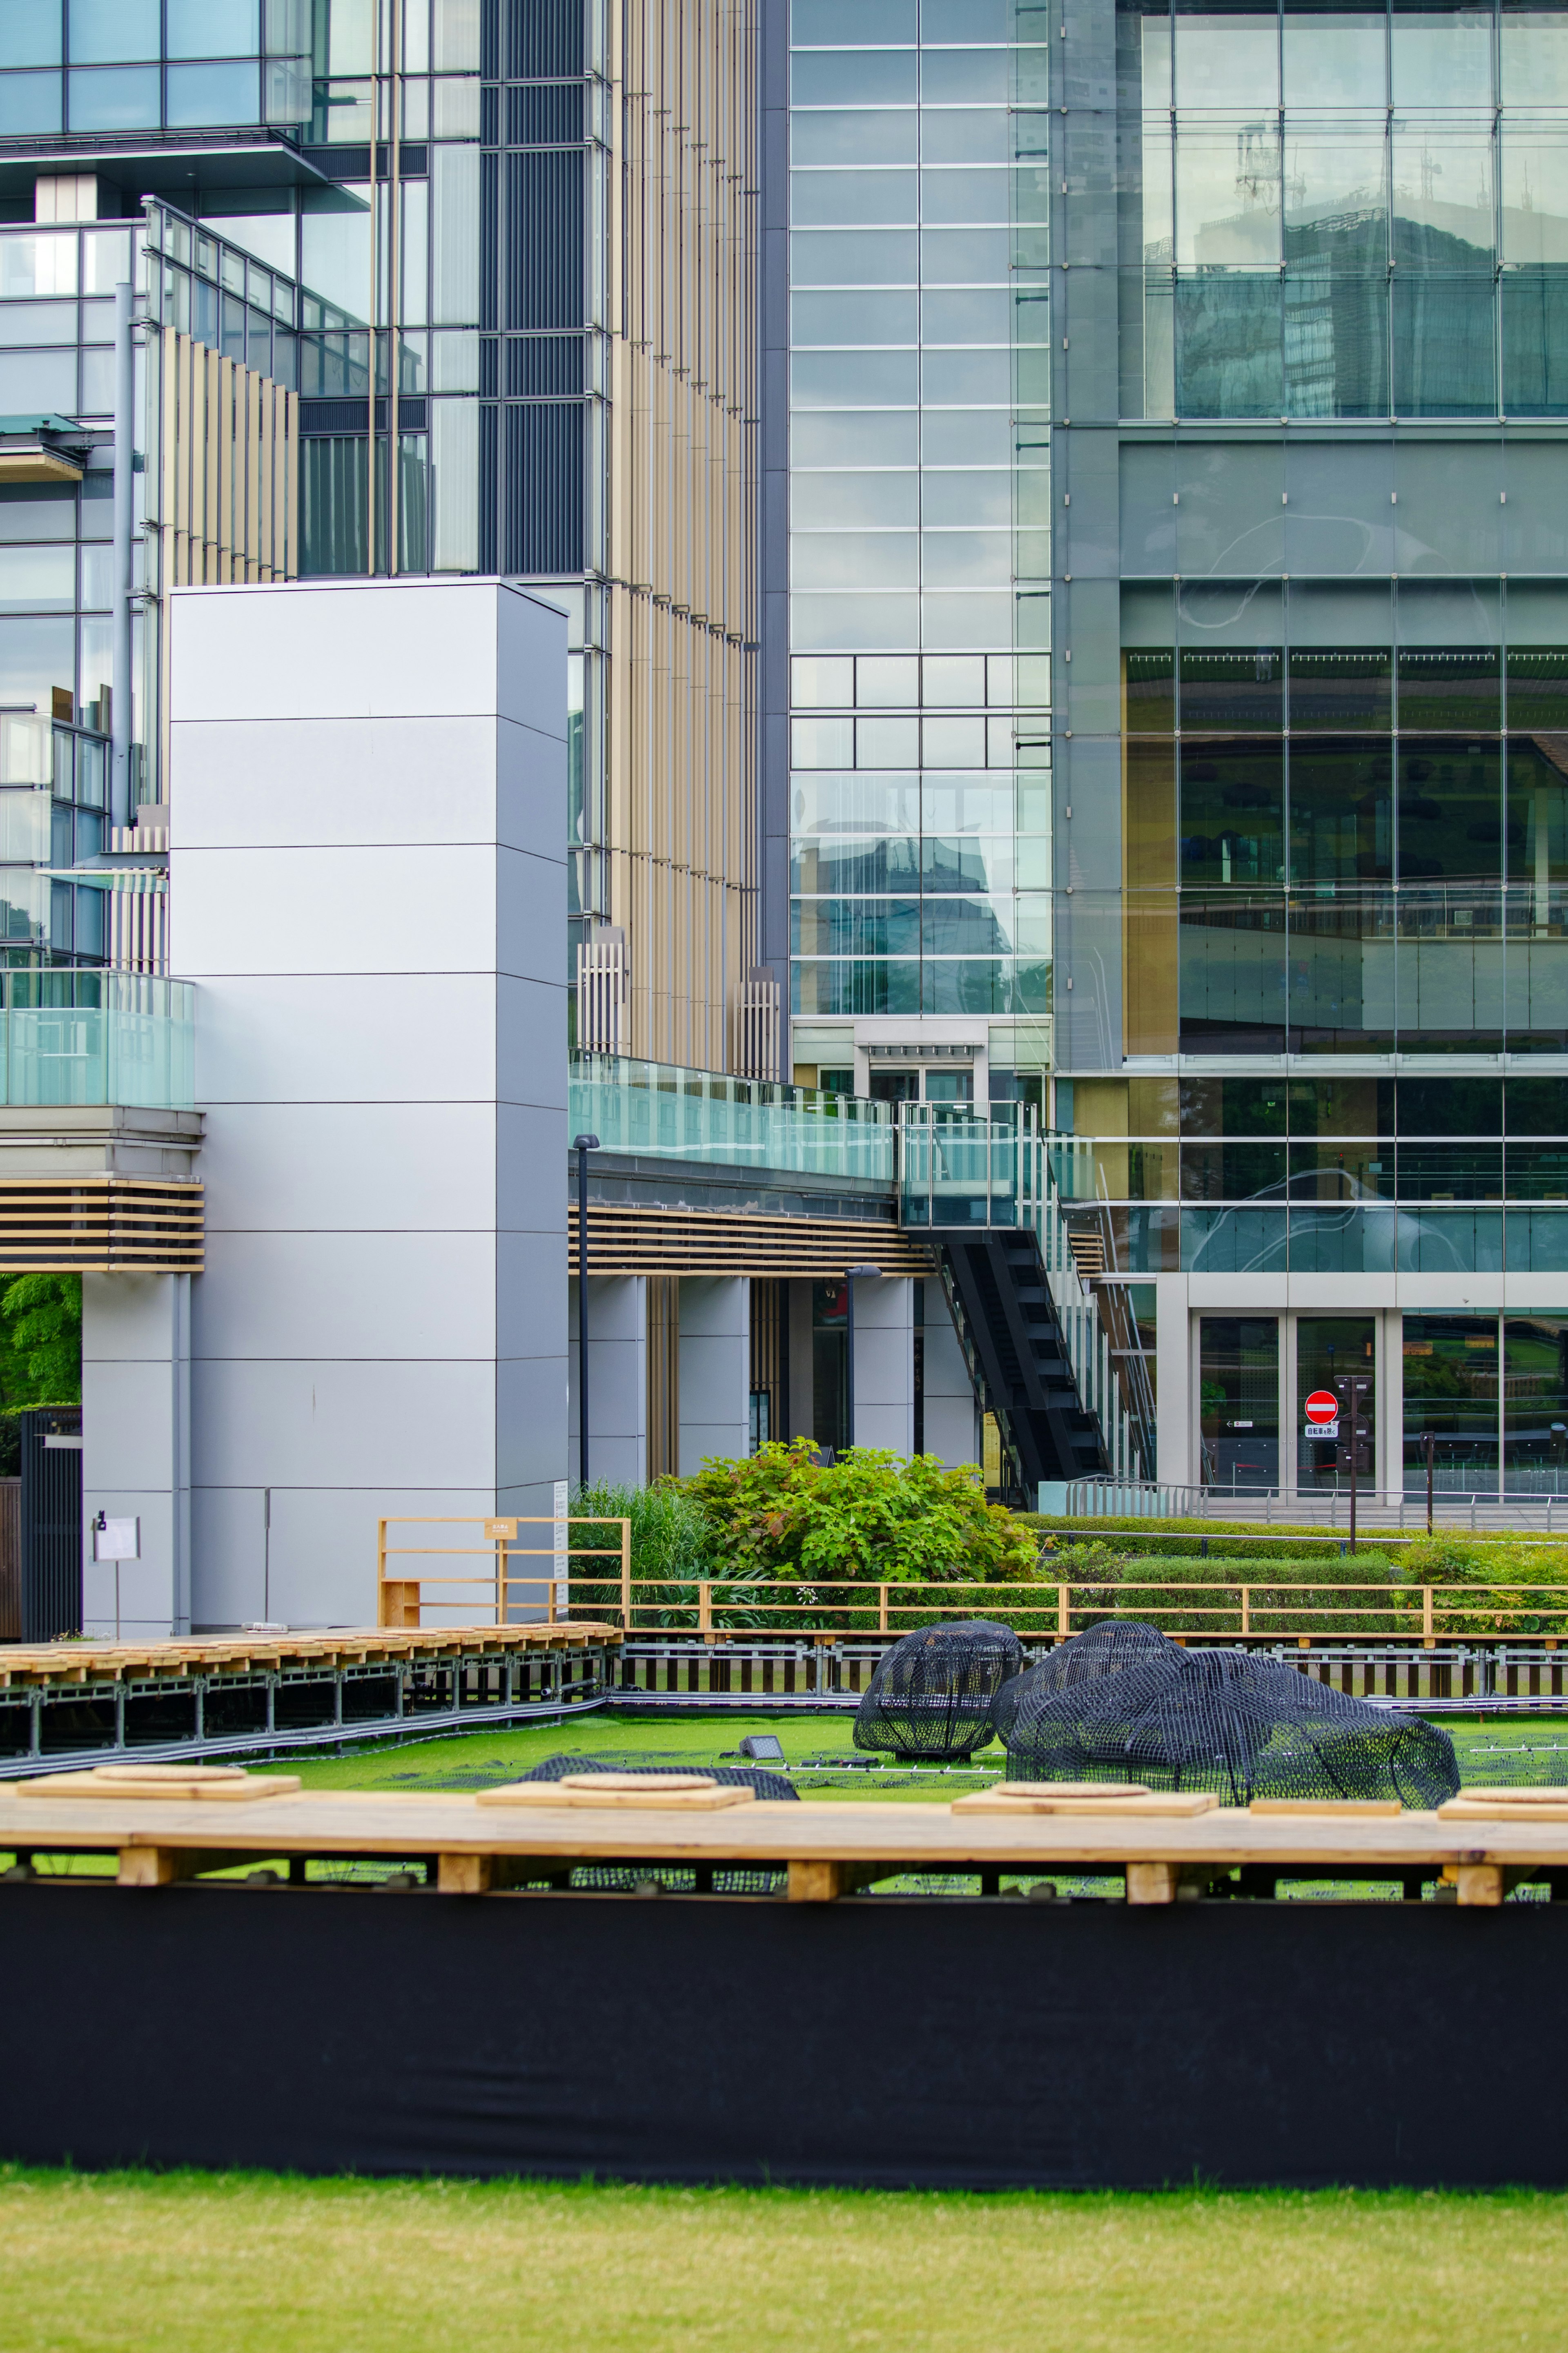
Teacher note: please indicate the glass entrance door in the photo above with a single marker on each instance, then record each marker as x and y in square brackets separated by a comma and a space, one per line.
[1328, 1348]
[1238, 1414]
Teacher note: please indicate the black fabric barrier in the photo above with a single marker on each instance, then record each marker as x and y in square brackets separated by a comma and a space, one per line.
[972, 2043]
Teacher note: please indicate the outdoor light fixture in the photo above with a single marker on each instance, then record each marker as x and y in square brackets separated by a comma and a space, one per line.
[581, 1145]
[851, 1274]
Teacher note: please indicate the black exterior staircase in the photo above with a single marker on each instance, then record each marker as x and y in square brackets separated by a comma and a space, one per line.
[995, 1281]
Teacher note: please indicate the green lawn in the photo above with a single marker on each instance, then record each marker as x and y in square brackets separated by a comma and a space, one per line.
[185, 2263]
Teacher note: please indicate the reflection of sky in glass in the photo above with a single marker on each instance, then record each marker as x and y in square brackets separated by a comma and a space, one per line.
[1442, 60]
[1228, 192]
[1228, 61]
[1443, 191]
[1335, 60]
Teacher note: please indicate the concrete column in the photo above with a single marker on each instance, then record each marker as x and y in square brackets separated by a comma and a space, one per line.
[715, 1368]
[617, 1380]
[801, 1362]
[1173, 1365]
[135, 1463]
[885, 1364]
[952, 1416]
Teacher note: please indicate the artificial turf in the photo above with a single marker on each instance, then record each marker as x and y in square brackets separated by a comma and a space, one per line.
[255, 2264]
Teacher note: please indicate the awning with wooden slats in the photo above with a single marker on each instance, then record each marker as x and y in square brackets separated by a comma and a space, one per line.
[99, 1225]
[630, 1240]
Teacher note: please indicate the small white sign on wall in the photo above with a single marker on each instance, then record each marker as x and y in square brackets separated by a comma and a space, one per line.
[116, 1539]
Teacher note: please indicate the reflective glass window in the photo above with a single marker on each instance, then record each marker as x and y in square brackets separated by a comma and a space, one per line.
[1149, 674]
[114, 98]
[1450, 687]
[1227, 194]
[1232, 991]
[1450, 1371]
[30, 33]
[1535, 1407]
[872, 499]
[886, 743]
[1534, 171]
[30, 103]
[218, 94]
[859, 318]
[1535, 343]
[1336, 203]
[1238, 1408]
[1341, 687]
[853, 76]
[851, 135]
[1228, 361]
[213, 28]
[853, 257]
[1229, 61]
[1342, 810]
[1442, 198]
[1232, 812]
[111, 32]
[1534, 57]
[1334, 60]
[1441, 57]
[1239, 689]
[851, 196]
[1449, 811]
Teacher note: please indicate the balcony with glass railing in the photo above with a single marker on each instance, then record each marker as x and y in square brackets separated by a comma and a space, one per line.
[658, 1110]
[81, 1038]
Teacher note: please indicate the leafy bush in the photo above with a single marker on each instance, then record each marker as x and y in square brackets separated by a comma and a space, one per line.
[870, 1514]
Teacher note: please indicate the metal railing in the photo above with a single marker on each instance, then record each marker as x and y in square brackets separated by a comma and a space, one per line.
[1481, 1510]
[957, 1169]
[658, 1110]
[88, 1036]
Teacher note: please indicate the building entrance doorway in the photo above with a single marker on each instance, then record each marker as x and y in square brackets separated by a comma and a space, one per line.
[1328, 1348]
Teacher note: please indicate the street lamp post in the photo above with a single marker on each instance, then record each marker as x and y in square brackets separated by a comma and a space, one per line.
[850, 1274]
[581, 1145]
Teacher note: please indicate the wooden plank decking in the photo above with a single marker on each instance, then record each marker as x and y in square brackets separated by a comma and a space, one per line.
[828, 1848]
[54, 1663]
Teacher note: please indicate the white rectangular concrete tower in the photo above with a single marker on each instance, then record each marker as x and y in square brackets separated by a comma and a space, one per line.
[368, 885]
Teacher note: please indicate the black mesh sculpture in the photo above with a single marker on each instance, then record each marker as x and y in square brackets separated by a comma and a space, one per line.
[1121, 1703]
[932, 1693]
[607, 1879]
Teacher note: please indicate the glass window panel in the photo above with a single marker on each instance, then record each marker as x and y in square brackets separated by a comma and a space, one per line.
[1450, 1371]
[1538, 1172]
[110, 32]
[1534, 57]
[828, 24]
[1442, 179]
[852, 135]
[968, 559]
[1538, 687]
[1228, 361]
[853, 257]
[826, 805]
[859, 379]
[957, 196]
[1537, 1107]
[857, 318]
[844, 868]
[964, 257]
[824, 500]
[883, 559]
[886, 743]
[966, 379]
[955, 76]
[30, 104]
[822, 683]
[851, 197]
[1231, 1172]
[37, 323]
[965, 803]
[1335, 342]
[972, 317]
[1534, 192]
[1227, 61]
[456, 107]
[36, 510]
[1227, 194]
[96, 396]
[869, 438]
[857, 927]
[114, 98]
[1238, 1400]
[212, 28]
[1535, 821]
[37, 383]
[1341, 811]
[44, 264]
[1336, 202]
[37, 666]
[955, 742]
[832, 623]
[887, 683]
[216, 94]
[976, 495]
[1450, 687]
[1453, 1170]
[974, 865]
[1450, 812]
[1233, 689]
[853, 76]
[1334, 60]
[1444, 361]
[1149, 675]
[1444, 58]
[38, 579]
[954, 679]
[822, 742]
[1233, 973]
[1535, 1407]
[1341, 972]
[1232, 812]
[30, 33]
[106, 260]
[1535, 343]
[949, 437]
[1341, 687]
[1337, 1169]
[950, 134]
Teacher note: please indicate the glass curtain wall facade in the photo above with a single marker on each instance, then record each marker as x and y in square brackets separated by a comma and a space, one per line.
[523, 236]
[1310, 986]
[918, 563]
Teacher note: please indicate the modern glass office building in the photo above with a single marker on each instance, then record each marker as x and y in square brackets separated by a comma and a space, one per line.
[1177, 431]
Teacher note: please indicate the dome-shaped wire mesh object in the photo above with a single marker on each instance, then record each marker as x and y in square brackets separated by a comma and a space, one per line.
[1123, 1702]
[932, 1692]
[606, 1879]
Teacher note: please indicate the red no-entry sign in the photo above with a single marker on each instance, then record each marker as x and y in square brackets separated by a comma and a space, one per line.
[1322, 1406]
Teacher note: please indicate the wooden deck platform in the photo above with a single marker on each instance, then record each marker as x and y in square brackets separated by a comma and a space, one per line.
[86, 1660]
[827, 1849]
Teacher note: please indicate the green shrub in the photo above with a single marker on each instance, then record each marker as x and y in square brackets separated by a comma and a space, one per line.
[870, 1514]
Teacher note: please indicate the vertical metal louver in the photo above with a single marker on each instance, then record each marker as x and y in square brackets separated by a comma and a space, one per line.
[544, 486]
[544, 239]
[544, 37]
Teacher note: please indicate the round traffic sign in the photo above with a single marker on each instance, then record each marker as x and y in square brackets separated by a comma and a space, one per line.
[1322, 1406]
